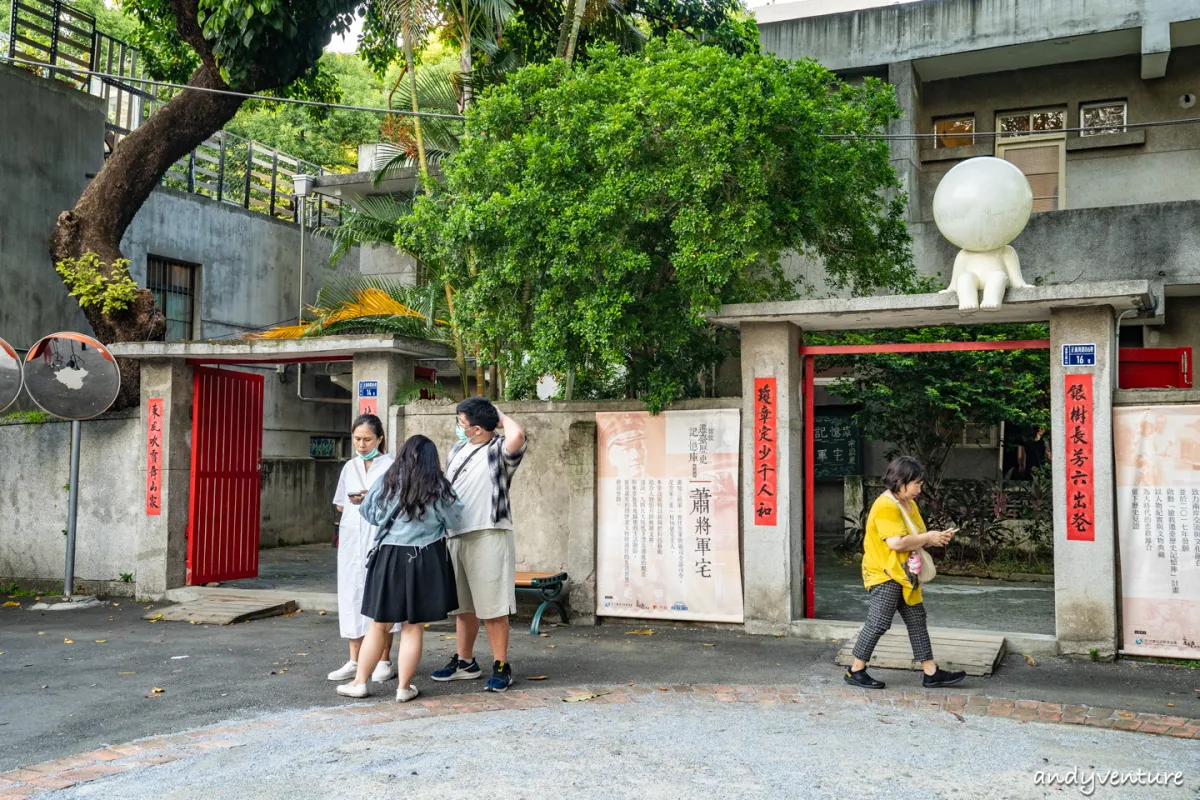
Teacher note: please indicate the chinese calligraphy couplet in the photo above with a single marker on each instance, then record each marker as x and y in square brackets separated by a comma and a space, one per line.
[766, 457]
[154, 437]
[1081, 490]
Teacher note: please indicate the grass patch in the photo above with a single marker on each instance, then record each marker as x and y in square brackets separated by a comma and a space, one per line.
[26, 418]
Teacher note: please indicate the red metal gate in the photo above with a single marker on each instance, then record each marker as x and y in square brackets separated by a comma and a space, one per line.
[223, 514]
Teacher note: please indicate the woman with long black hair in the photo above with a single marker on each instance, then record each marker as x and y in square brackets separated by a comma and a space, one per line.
[410, 579]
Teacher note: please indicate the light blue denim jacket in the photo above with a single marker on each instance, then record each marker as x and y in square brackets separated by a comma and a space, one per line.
[404, 531]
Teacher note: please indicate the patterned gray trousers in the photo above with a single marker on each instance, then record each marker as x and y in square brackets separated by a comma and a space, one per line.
[886, 600]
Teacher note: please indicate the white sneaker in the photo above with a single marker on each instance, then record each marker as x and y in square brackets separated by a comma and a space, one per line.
[348, 671]
[404, 695]
[384, 671]
[358, 690]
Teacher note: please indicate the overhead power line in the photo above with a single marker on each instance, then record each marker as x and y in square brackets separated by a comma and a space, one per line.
[228, 92]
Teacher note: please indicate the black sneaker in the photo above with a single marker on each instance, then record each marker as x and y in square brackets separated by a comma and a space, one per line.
[458, 670]
[862, 680]
[501, 677]
[943, 678]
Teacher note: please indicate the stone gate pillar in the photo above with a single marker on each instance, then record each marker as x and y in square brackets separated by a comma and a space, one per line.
[1085, 543]
[377, 377]
[773, 555]
[162, 539]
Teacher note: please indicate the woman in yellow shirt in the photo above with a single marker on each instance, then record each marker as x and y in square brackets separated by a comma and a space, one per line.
[894, 531]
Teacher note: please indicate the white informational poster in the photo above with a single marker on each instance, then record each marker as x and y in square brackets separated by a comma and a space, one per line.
[1158, 508]
[667, 500]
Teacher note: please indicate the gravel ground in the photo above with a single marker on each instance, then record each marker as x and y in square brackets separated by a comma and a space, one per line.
[830, 749]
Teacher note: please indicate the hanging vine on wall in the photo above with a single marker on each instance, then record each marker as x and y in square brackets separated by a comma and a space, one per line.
[91, 284]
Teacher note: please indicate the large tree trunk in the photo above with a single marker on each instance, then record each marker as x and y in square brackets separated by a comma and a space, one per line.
[108, 205]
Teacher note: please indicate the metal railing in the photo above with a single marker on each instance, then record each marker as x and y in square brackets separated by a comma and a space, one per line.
[226, 167]
[234, 170]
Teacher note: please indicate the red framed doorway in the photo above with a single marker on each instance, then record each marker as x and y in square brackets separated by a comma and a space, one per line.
[808, 355]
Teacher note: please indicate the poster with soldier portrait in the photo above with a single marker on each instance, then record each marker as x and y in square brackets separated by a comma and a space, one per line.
[1158, 511]
[667, 499]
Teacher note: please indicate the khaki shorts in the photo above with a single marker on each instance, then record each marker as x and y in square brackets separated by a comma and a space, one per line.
[485, 570]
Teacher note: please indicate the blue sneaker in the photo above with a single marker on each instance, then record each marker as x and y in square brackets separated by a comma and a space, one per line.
[501, 677]
[458, 670]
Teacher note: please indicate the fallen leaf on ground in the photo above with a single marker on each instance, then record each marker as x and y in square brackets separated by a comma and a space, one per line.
[45, 687]
[1030, 660]
[642, 632]
[958, 716]
[578, 698]
[155, 618]
[551, 646]
[68, 641]
[41, 633]
[101, 641]
[116, 604]
[147, 608]
[427, 625]
[157, 690]
[537, 677]
[12, 604]
[634, 683]
[663, 689]
[127, 673]
[322, 613]
[707, 644]
[544, 635]
[1170, 705]
[301, 654]
[176, 658]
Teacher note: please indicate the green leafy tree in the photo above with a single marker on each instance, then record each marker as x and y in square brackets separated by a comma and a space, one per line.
[594, 215]
[922, 402]
[245, 45]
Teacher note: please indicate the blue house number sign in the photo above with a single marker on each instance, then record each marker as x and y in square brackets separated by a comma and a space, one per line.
[1079, 355]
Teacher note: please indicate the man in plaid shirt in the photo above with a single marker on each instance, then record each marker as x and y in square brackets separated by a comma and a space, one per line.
[480, 468]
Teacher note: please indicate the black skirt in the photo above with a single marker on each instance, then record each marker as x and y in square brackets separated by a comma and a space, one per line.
[410, 584]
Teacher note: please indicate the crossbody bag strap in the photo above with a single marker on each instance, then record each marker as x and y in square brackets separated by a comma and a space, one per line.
[466, 461]
[908, 523]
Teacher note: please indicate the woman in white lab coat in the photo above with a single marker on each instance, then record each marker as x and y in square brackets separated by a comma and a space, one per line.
[355, 536]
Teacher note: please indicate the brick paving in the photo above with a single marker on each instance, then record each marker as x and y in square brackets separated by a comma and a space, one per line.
[36, 779]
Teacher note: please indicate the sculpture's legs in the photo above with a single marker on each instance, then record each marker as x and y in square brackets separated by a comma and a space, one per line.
[993, 291]
[968, 291]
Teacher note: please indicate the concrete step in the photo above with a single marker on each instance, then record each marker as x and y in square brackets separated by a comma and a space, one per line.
[977, 653]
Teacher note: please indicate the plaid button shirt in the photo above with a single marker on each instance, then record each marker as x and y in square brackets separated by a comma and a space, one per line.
[501, 464]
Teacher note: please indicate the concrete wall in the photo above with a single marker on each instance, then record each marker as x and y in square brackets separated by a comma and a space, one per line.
[33, 501]
[297, 501]
[53, 138]
[553, 494]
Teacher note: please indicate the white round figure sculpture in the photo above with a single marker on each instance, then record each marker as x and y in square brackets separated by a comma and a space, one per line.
[981, 205]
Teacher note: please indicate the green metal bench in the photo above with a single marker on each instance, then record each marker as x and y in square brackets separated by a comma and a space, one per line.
[551, 588]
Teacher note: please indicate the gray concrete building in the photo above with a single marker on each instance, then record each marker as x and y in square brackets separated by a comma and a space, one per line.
[1063, 91]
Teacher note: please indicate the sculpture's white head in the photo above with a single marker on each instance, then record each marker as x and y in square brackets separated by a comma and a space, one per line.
[982, 204]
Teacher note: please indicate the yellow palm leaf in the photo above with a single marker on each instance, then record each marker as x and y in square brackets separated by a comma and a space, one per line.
[281, 332]
[372, 303]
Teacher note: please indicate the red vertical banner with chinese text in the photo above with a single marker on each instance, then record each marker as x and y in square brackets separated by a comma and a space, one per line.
[1081, 465]
[154, 437]
[766, 457]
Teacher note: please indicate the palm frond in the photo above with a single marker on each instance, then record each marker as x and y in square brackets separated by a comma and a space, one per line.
[373, 221]
[372, 305]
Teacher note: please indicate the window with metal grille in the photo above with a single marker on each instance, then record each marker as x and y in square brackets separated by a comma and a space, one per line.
[173, 284]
